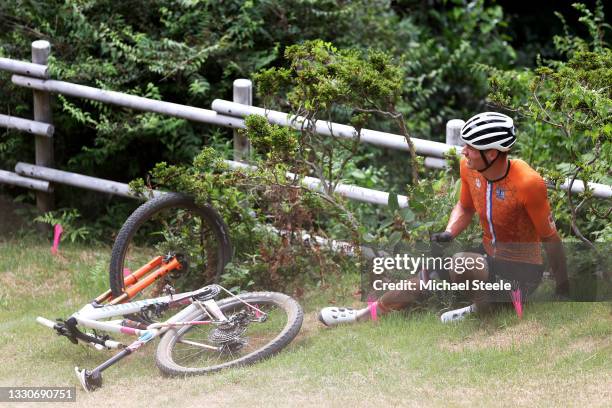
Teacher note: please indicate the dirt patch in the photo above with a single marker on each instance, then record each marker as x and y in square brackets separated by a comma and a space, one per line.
[15, 284]
[524, 333]
[282, 389]
[309, 327]
[589, 345]
[87, 257]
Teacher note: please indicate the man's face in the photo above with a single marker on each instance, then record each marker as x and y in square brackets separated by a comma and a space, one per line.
[473, 157]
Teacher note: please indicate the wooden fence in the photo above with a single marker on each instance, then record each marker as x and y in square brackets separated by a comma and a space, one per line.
[41, 175]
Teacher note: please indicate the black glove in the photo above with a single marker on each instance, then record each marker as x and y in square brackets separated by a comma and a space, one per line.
[441, 237]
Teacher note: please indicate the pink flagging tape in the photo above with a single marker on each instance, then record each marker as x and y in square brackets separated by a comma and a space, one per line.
[372, 307]
[57, 233]
[126, 272]
[257, 312]
[517, 301]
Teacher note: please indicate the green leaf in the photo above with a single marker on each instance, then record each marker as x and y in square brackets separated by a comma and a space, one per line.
[395, 238]
[392, 202]
[417, 205]
[387, 223]
[367, 237]
[407, 214]
[457, 190]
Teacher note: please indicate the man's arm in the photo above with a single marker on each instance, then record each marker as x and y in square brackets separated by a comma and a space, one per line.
[462, 213]
[556, 258]
[538, 208]
[459, 220]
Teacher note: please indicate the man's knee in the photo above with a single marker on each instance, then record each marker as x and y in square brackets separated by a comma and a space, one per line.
[400, 299]
[469, 265]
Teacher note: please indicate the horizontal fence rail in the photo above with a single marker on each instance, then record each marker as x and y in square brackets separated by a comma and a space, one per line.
[122, 189]
[17, 180]
[24, 68]
[35, 74]
[599, 190]
[374, 137]
[77, 180]
[382, 139]
[435, 163]
[27, 125]
[231, 114]
[129, 101]
[362, 194]
[356, 193]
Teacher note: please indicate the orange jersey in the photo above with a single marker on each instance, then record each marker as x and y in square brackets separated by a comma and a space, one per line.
[514, 211]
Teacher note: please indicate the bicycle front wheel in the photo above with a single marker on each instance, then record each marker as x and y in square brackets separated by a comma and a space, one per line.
[201, 349]
[171, 224]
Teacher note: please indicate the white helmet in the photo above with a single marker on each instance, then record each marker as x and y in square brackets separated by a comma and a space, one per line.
[489, 130]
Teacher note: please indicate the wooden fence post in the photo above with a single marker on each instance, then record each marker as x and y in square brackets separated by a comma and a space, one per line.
[243, 93]
[42, 113]
[453, 132]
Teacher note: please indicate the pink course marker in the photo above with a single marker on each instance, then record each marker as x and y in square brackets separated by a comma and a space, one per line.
[517, 302]
[372, 307]
[57, 233]
[126, 272]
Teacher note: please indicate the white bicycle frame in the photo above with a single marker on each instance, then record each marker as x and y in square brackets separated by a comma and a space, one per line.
[89, 316]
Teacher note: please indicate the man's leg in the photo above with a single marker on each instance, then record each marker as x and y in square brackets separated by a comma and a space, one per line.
[390, 301]
[393, 300]
[477, 270]
[400, 299]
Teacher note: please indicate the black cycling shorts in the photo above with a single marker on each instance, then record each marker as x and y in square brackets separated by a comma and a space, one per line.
[524, 275]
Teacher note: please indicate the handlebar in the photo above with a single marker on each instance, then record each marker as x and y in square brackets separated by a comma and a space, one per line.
[46, 322]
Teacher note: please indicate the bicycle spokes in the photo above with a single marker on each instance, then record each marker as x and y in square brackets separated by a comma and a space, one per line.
[241, 334]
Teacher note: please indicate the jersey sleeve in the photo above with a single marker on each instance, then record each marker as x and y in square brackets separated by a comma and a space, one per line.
[465, 197]
[538, 208]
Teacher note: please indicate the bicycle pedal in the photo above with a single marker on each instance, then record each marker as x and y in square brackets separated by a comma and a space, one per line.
[90, 381]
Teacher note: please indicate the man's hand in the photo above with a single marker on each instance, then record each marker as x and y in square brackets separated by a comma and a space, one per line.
[441, 237]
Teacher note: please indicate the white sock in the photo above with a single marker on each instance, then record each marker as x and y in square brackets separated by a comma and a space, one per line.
[458, 314]
[371, 312]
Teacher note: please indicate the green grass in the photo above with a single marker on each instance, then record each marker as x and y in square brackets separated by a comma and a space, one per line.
[559, 354]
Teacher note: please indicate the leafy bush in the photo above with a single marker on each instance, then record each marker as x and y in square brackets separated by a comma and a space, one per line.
[190, 51]
[319, 81]
[67, 218]
[565, 109]
[434, 68]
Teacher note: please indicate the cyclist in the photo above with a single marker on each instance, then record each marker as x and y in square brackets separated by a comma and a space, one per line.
[510, 199]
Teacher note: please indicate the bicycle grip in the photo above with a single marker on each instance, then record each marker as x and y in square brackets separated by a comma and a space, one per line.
[46, 322]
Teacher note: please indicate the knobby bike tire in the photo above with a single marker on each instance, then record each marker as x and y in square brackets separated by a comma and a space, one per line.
[294, 314]
[156, 206]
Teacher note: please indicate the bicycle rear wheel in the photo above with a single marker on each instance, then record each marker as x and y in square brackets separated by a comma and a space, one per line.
[171, 224]
[187, 350]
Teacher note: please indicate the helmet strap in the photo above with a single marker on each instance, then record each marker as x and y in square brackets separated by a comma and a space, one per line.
[487, 163]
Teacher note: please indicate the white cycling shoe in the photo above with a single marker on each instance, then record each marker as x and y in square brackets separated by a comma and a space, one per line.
[333, 316]
[458, 314]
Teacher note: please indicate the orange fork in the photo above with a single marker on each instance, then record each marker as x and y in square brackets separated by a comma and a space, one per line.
[138, 285]
[133, 277]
